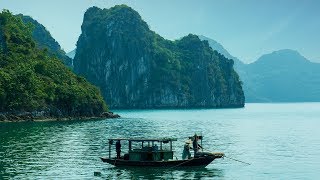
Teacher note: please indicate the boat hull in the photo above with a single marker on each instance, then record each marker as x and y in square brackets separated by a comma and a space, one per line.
[200, 161]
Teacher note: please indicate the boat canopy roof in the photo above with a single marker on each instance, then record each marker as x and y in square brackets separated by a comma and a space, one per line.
[144, 139]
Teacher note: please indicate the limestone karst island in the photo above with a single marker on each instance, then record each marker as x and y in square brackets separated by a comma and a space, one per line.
[161, 89]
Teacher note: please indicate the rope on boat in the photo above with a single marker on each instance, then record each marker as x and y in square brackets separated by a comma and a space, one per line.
[237, 160]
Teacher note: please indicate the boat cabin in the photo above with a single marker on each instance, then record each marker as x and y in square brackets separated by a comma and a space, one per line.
[155, 153]
[144, 149]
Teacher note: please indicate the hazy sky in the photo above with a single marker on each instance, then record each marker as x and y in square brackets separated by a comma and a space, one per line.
[246, 28]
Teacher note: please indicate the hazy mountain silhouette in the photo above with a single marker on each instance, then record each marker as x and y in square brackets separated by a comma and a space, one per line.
[281, 76]
[71, 54]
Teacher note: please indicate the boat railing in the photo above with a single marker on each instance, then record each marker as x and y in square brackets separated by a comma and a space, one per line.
[144, 145]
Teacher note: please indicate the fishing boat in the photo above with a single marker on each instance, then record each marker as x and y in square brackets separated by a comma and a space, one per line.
[148, 153]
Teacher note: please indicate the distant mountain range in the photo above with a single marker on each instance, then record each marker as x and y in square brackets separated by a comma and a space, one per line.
[281, 76]
[71, 54]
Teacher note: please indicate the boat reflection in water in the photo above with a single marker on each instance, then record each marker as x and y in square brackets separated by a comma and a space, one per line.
[156, 153]
[161, 173]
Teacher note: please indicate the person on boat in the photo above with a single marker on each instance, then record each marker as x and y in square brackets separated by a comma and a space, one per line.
[118, 149]
[155, 147]
[186, 150]
[195, 144]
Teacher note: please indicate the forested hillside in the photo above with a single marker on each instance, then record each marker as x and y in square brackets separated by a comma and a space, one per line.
[32, 80]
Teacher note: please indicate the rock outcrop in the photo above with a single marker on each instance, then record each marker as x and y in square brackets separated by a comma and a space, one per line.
[136, 68]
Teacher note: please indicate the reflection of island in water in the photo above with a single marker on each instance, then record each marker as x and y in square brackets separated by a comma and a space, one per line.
[160, 173]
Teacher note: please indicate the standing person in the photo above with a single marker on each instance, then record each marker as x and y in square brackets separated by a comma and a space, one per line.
[118, 149]
[186, 150]
[195, 144]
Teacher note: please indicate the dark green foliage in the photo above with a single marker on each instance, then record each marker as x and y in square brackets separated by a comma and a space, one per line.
[33, 80]
[44, 40]
[218, 47]
[137, 68]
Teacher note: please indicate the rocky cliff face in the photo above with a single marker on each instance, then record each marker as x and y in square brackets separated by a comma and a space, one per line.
[136, 68]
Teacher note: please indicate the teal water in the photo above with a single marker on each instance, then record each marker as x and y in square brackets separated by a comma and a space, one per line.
[280, 141]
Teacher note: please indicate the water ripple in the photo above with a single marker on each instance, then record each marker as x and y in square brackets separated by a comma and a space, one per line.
[277, 140]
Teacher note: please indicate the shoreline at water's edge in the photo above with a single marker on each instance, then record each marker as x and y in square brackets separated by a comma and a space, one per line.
[182, 108]
[105, 115]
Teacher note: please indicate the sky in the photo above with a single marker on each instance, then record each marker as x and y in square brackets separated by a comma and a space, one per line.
[246, 28]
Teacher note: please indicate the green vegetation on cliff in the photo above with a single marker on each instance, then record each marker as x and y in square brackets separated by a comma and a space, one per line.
[44, 40]
[32, 80]
[137, 68]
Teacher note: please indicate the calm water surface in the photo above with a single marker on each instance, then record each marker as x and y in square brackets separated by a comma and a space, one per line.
[280, 141]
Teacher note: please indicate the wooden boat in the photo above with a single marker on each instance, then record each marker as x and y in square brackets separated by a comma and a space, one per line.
[148, 154]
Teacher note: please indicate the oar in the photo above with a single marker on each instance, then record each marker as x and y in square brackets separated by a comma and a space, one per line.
[237, 160]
